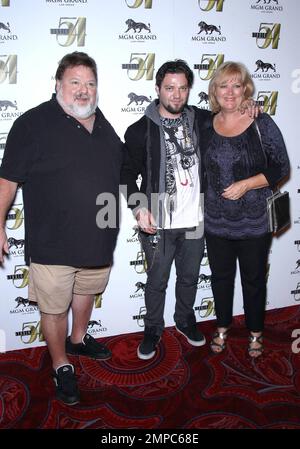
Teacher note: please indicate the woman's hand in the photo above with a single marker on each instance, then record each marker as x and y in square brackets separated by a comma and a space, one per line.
[236, 190]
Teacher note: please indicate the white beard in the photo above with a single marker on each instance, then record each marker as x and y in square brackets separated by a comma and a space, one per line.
[77, 111]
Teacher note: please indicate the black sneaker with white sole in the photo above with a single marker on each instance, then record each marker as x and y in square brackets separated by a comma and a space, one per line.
[147, 348]
[66, 384]
[89, 347]
[192, 334]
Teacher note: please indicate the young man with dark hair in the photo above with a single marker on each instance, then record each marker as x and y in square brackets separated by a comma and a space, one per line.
[164, 148]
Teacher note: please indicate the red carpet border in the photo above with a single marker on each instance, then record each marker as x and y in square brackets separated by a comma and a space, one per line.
[182, 387]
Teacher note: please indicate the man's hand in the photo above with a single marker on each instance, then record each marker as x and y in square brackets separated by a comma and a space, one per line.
[236, 190]
[146, 221]
[251, 107]
[3, 245]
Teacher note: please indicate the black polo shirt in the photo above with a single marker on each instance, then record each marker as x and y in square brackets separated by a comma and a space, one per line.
[63, 168]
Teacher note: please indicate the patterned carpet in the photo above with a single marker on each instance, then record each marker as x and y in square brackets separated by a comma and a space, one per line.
[182, 387]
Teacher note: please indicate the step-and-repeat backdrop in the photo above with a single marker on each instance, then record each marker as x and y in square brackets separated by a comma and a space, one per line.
[130, 39]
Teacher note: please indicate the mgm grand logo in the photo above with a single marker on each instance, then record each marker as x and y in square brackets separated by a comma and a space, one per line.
[31, 332]
[206, 308]
[68, 2]
[204, 281]
[24, 305]
[139, 290]
[16, 246]
[6, 108]
[135, 236]
[6, 34]
[20, 277]
[209, 33]
[95, 326]
[265, 71]
[297, 267]
[267, 6]
[70, 30]
[137, 32]
[203, 100]
[137, 103]
[208, 65]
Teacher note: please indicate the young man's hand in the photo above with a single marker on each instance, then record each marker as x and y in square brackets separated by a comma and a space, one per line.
[146, 221]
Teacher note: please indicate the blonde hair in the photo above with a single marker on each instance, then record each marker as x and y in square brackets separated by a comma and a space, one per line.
[224, 71]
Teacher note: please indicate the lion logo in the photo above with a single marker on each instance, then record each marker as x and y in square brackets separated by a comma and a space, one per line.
[18, 243]
[7, 104]
[5, 27]
[137, 26]
[208, 28]
[138, 98]
[203, 97]
[264, 66]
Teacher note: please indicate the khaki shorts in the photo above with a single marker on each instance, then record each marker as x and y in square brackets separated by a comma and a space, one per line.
[53, 286]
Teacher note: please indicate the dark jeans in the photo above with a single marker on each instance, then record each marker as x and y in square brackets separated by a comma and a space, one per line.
[187, 253]
[252, 255]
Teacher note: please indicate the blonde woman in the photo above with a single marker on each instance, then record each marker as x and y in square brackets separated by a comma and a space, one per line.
[239, 176]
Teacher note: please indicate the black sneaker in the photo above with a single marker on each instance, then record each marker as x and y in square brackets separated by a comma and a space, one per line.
[89, 347]
[192, 334]
[147, 348]
[66, 385]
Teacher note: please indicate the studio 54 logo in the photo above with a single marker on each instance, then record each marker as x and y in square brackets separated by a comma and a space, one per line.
[267, 6]
[206, 308]
[3, 137]
[296, 292]
[5, 3]
[139, 318]
[297, 217]
[8, 69]
[209, 5]
[140, 65]
[15, 217]
[137, 3]
[139, 264]
[208, 64]
[30, 332]
[268, 35]
[70, 30]
[20, 276]
[268, 100]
